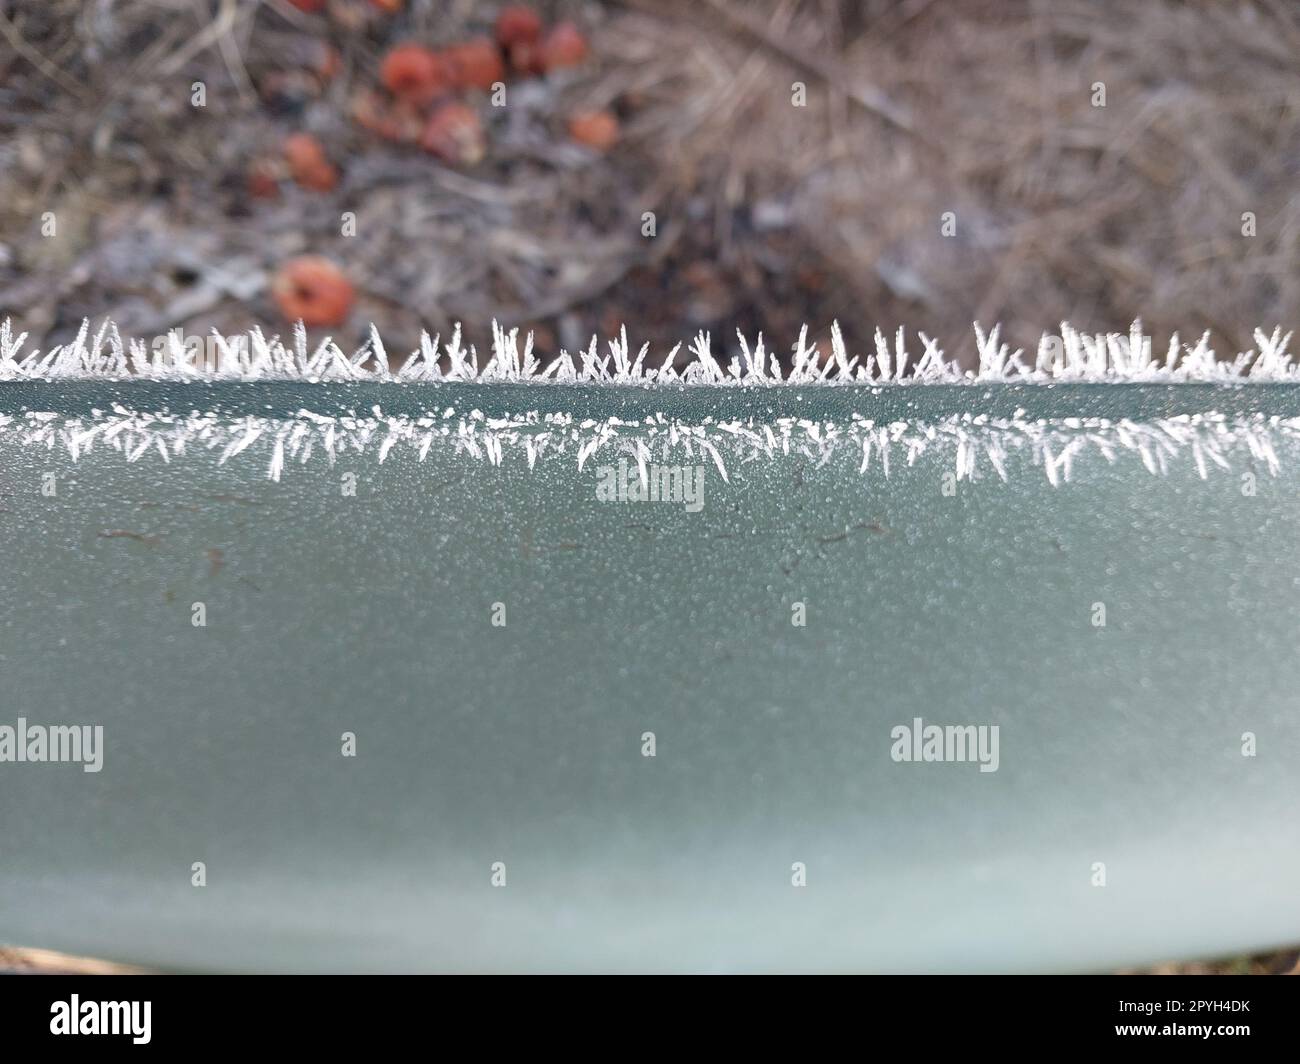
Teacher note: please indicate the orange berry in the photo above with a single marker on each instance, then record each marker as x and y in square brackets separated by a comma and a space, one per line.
[455, 135]
[303, 151]
[594, 129]
[320, 178]
[475, 64]
[262, 181]
[310, 6]
[565, 47]
[391, 6]
[527, 58]
[314, 290]
[518, 24]
[308, 163]
[413, 72]
[328, 61]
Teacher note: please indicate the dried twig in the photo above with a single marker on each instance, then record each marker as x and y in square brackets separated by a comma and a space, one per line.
[33, 56]
[867, 96]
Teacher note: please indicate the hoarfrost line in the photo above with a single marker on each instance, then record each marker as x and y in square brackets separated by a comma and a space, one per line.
[1073, 356]
[975, 441]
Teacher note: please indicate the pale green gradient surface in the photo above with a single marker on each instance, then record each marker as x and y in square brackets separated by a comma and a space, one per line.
[523, 744]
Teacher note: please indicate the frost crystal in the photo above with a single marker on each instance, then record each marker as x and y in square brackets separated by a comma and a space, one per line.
[1071, 356]
[977, 442]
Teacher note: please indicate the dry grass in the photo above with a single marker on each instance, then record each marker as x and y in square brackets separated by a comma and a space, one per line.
[1286, 962]
[768, 214]
[19, 961]
[1064, 210]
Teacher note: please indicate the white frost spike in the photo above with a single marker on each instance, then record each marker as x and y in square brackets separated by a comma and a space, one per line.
[842, 364]
[717, 459]
[642, 454]
[900, 354]
[995, 359]
[801, 355]
[381, 356]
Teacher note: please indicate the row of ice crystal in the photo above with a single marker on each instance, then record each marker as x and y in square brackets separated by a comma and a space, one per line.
[974, 441]
[1068, 356]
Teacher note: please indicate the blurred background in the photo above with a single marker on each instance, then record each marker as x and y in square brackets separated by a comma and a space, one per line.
[671, 165]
